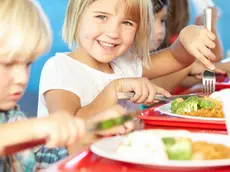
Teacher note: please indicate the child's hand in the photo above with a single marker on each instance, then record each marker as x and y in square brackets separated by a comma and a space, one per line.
[197, 70]
[144, 90]
[198, 41]
[114, 112]
[60, 129]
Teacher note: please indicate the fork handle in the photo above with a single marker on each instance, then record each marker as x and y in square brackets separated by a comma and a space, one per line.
[208, 18]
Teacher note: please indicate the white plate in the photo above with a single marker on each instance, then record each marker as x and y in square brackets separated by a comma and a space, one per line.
[166, 109]
[107, 148]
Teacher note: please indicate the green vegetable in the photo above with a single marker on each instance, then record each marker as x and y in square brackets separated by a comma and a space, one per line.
[189, 105]
[168, 141]
[107, 124]
[206, 104]
[180, 150]
[174, 105]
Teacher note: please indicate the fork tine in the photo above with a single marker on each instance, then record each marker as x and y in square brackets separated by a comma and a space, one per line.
[209, 82]
[205, 86]
[213, 85]
[208, 87]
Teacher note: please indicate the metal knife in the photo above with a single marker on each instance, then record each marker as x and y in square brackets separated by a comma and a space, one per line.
[129, 95]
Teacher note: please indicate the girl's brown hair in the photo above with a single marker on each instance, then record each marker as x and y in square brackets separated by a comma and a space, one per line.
[178, 18]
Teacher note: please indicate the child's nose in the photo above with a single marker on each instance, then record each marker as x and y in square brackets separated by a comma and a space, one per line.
[112, 30]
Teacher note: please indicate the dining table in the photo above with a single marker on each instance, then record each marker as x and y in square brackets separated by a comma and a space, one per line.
[86, 161]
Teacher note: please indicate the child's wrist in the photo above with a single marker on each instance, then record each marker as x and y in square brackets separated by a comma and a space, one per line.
[179, 52]
[38, 127]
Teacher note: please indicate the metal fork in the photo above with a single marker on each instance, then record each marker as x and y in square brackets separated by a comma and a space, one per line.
[209, 77]
[209, 82]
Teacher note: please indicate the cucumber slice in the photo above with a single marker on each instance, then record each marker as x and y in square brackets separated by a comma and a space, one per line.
[107, 124]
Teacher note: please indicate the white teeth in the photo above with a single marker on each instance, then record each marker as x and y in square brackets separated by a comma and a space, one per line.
[107, 44]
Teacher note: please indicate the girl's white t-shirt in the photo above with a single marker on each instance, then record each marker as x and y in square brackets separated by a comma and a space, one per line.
[65, 73]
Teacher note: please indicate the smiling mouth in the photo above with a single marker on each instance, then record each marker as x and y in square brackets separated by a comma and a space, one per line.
[106, 44]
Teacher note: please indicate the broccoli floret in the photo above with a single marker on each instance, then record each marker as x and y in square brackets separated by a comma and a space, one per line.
[206, 104]
[181, 150]
[189, 105]
[193, 99]
[184, 107]
[175, 104]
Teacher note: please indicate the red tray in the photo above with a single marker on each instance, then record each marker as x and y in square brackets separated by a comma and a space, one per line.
[88, 162]
[222, 85]
[200, 130]
[152, 117]
[222, 78]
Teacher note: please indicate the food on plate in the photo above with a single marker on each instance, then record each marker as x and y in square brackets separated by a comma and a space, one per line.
[145, 144]
[196, 106]
[149, 145]
[178, 148]
[206, 151]
[186, 149]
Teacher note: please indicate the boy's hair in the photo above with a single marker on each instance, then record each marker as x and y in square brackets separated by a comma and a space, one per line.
[138, 10]
[159, 4]
[24, 30]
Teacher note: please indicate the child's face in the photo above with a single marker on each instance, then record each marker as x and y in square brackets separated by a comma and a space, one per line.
[104, 32]
[159, 23]
[14, 78]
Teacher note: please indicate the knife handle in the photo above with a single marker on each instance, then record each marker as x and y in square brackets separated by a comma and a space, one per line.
[11, 149]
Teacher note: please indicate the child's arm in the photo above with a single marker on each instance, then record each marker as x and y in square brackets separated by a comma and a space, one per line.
[175, 79]
[193, 42]
[224, 66]
[58, 130]
[187, 77]
[195, 78]
[164, 61]
[61, 100]
[18, 132]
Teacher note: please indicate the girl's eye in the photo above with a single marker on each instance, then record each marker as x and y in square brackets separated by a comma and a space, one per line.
[163, 21]
[101, 17]
[8, 65]
[127, 23]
